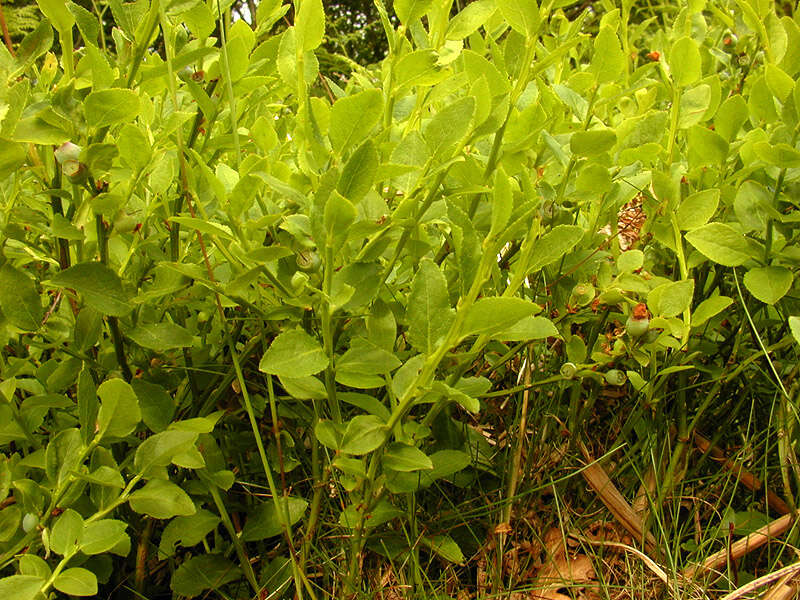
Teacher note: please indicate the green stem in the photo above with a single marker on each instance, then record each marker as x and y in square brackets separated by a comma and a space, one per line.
[237, 540]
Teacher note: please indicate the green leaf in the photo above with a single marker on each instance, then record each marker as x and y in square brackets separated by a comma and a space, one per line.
[204, 572]
[293, 354]
[161, 336]
[778, 82]
[444, 546]
[428, 311]
[66, 534]
[781, 155]
[119, 409]
[469, 19]
[57, 12]
[554, 245]
[109, 107]
[608, 59]
[328, 434]
[706, 147]
[708, 308]
[156, 404]
[685, 63]
[160, 449]
[694, 104]
[730, 117]
[62, 455]
[87, 23]
[359, 172]
[493, 316]
[20, 587]
[338, 216]
[101, 536]
[720, 243]
[134, 148]
[364, 365]
[522, 15]
[671, 299]
[19, 300]
[593, 142]
[310, 24]
[411, 10]
[161, 499]
[99, 286]
[186, 531]
[698, 209]
[76, 582]
[529, 328]
[364, 433]
[449, 126]
[768, 284]
[353, 118]
[502, 204]
[468, 402]
[265, 522]
[794, 326]
[399, 457]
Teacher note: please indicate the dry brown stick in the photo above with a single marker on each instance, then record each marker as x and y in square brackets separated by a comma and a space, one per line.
[745, 477]
[762, 581]
[782, 590]
[600, 482]
[742, 546]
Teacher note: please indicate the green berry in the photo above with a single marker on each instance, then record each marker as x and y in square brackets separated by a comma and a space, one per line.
[568, 370]
[29, 522]
[637, 327]
[308, 261]
[615, 377]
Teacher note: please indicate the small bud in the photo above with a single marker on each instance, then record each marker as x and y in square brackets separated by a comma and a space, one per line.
[654, 56]
[299, 280]
[615, 377]
[29, 522]
[582, 294]
[67, 152]
[568, 370]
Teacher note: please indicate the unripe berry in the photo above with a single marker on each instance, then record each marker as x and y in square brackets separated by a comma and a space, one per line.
[582, 294]
[638, 322]
[308, 261]
[568, 370]
[615, 377]
[29, 522]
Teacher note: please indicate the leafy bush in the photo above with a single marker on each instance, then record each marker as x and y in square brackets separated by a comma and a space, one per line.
[249, 312]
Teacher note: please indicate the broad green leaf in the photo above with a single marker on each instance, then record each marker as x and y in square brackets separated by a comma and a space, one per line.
[109, 107]
[706, 147]
[204, 226]
[186, 531]
[204, 572]
[364, 365]
[469, 19]
[708, 308]
[66, 534]
[411, 10]
[768, 284]
[778, 82]
[444, 546]
[449, 126]
[781, 155]
[522, 15]
[265, 522]
[685, 62]
[694, 104]
[58, 13]
[329, 434]
[592, 142]
[493, 316]
[10, 518]
[304, 388]
[338, 217]
[608, 59]
[364, 433]
[720, 243]
[156, 404]
[62, 455]
[160, 449]
[76, 581]
[794, 326]
[87, 23]
[529, 328]
[428, 311]
[19, 300]
[12, 156]
[502, 203]
[753, 207]
[293, 354]
[399, 457]
[698, 209]
[630, 261]
[101, 536]
[161, 336]
[134, 147]
[20, 587]
[384, 511]
[359, 172]
[468, 402]
[99, 286]
[119, 409]
[554, 245]
[353, 118]
[730, 117]
[671, 299]
[161, 499]
[310, 24]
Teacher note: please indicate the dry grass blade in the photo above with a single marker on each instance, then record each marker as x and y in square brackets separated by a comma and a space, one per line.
[762, 581]
[745, 477]
[741, 547]
[600, 482]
